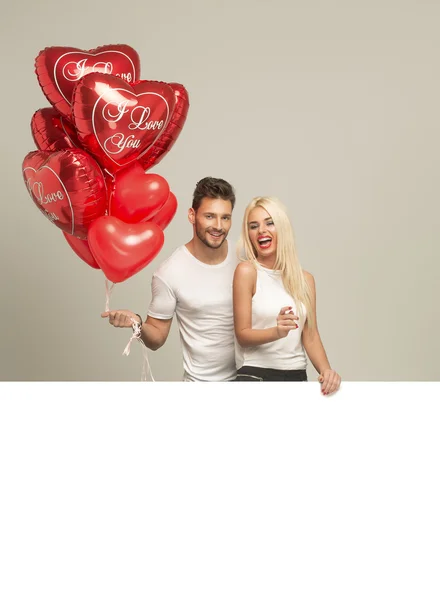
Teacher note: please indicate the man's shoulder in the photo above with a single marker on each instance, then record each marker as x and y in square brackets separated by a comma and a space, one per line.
[172, 264]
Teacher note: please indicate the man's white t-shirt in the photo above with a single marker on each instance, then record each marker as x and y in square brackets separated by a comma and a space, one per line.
[201, 297]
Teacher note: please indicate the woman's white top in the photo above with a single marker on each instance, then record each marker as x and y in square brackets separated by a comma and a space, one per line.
[286, 353]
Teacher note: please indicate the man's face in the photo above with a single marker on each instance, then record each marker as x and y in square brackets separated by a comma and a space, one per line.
[212, 221]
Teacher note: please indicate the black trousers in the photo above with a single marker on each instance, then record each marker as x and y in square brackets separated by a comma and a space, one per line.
[260, 374]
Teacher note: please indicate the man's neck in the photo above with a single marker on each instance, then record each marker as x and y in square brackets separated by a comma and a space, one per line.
[205, 254]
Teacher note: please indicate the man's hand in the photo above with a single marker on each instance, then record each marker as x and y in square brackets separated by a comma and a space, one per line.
[120, 318]
[286, 321]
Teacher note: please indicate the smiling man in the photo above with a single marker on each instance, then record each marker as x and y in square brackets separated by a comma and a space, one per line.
[195, 284]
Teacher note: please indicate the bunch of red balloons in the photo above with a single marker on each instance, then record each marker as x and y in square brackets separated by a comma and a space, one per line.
[107, 127]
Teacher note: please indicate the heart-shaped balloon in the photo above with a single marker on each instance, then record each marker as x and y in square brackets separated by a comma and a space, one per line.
[68, 187]
[122, 249]
[164, 217]
[166, 141]
[81, 249]
[137, 195]
[59, 68]
[52, 132]
[118, 122]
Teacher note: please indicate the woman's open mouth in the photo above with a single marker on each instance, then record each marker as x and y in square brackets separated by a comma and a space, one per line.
[264, 241]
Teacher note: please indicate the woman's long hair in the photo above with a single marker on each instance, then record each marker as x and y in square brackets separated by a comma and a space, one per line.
[287, 261]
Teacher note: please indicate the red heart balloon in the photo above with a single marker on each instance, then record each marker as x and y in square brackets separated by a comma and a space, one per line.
[59, 68]
[122, 249]
[68, 187]
[164, 217]
[118, 122]
[137, 195]
[81, 249]
[51, 132]
[167, 140]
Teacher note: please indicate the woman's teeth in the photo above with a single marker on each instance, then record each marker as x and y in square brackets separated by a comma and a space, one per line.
[265, 242]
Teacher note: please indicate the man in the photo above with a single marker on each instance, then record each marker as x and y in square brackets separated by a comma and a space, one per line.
[195, 283]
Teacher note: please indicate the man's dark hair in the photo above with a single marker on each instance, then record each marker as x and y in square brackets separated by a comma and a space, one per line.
[210, 187]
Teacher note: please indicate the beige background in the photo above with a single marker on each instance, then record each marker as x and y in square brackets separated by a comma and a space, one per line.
[331, 106]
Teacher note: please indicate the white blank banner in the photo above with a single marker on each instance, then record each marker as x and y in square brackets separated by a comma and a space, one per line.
[219, 491]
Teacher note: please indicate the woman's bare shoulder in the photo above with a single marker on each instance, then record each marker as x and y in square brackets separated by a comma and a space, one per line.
[309, 278]
[245, 269]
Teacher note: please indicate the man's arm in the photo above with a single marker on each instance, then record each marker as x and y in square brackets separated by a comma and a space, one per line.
[154, 332]
[156, 328]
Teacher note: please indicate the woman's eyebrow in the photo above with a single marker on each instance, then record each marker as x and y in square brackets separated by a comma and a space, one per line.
[253, 222]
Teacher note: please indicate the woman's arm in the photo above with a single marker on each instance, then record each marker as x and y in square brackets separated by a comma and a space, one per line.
[245, 278]
[329, 379]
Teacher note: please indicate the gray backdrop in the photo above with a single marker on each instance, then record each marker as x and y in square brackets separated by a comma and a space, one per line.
[331, 106]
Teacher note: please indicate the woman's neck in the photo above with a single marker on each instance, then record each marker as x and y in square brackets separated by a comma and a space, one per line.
[267, 261]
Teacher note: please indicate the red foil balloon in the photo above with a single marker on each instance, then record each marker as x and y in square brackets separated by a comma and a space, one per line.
[137, 195]
[167, 140]
[52, 132]
[59, 68]
[68, 187]
[118, 122]
[81, 249]
[122, 249]
[164, 217]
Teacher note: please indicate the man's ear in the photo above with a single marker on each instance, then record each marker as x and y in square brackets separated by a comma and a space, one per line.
[192, 216]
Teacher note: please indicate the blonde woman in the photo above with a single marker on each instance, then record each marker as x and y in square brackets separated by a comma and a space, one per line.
[275, 303]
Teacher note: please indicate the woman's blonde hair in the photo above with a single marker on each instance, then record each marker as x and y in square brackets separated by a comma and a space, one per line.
[286, 257]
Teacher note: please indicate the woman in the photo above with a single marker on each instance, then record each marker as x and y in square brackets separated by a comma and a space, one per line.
[275, 303]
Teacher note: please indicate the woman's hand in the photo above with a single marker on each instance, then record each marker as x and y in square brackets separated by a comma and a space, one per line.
[286, 321]
[330, 381]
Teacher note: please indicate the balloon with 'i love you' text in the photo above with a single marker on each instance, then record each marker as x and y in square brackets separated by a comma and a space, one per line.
[118, 122]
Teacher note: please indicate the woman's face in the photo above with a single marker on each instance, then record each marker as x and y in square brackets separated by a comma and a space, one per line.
[262, 234]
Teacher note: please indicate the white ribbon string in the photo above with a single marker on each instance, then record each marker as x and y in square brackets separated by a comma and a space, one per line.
[136, 335]
[108, 293]
[146, 369]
